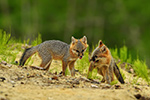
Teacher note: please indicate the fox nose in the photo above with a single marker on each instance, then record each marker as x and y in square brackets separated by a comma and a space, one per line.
[80, 57]
[93, 59]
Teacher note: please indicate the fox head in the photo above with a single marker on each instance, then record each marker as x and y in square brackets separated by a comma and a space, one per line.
[78, 46]
[99, 52]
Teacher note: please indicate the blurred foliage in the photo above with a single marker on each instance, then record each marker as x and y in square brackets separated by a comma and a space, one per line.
[118, 22]
[140, 68]
[7, 48]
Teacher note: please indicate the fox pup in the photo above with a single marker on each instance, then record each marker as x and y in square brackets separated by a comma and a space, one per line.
[102, 60]
[57, 50]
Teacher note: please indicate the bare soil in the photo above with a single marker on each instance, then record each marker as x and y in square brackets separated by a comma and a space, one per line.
[26, 83]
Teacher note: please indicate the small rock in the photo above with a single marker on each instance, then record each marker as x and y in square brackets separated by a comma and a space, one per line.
[106, 86]
[95, 82]
[2, 79]
[94, 86]
[37, 75]
[28, 74]
[54, 78]
[117, 87]
[37, 67]
[50, 79]
[138, 96]
[2, 66]
[4, 62]
[132, 70]
[25, 68]
[1, 98]
[1, 92]
[75, 82]
[59, 75]
[6, 94]
[9, 65]
[20, 78]
[12, 82]
[85, 79]
[22, 83]
[137, 88]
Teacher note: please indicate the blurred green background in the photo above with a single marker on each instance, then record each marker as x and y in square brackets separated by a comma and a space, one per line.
[116, 22]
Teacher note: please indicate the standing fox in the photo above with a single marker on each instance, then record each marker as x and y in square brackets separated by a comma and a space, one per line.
[58, 50]
[102, 60]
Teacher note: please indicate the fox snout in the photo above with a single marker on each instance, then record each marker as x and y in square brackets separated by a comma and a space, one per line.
[80, 55]
[94, 59]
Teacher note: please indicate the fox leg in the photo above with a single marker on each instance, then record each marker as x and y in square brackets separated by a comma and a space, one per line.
[111, 73]
[46, 60]
[64, 66]
[103, 80]
[71, 67]
[99, 70]
[45, 64]
[106, 74]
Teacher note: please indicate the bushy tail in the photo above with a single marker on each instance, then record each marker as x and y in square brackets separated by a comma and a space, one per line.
[27, 53]
[118, 74]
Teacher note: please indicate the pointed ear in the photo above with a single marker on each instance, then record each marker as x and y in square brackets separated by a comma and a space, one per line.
[103, 49]
[84, 39]
[73, 39]
[100, 43]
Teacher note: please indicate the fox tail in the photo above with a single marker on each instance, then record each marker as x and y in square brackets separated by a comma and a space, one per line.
[27, 53]
[118, 74]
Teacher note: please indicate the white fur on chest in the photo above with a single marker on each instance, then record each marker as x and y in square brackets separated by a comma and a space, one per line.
[73, 59]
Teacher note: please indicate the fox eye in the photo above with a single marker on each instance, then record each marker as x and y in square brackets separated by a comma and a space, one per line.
[82, 51]
[97, 60]
[77, 51]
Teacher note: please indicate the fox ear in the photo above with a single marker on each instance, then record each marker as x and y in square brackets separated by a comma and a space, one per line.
[103, 48]
[84, 39]
[73, 39]
[100, 43]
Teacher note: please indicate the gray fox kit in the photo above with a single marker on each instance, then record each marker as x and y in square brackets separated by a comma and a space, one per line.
[58, 50]
[102, 60]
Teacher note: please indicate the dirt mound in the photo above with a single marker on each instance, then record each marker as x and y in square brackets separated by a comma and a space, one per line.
[26, 83]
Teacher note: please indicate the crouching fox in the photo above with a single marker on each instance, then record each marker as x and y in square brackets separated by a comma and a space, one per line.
[102, 59]
[58, 50]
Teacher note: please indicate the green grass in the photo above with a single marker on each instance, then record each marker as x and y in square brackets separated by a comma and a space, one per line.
[37, 41]
[141, 69]
[10, 47]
